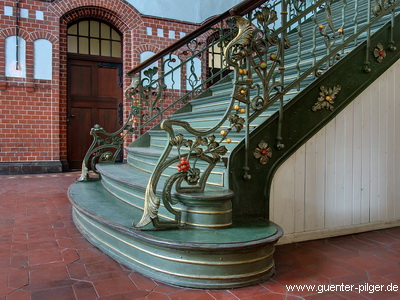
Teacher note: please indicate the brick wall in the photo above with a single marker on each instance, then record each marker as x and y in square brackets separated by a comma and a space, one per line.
[33, 130]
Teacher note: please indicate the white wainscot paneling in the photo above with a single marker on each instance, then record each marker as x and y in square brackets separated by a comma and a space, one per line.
[345, 179]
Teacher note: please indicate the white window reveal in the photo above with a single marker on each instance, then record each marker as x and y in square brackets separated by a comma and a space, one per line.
[43, 54]
[144, 56]
[15, 57]
[172, 72]
[193, 74]
[8, 11]
[24, 13]
[39, 15]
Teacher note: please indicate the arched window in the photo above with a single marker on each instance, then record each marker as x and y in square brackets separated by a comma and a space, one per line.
[146, 55]
[93, 37]
[193, 76]
[43, 59]
[15, 56]
[173, 79]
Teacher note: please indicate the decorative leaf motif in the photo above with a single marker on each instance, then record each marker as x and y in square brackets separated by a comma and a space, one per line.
[237, 122]
[198, 151]
[213, 145]
[326, 98]
[200, 141]
[266, 16]
[150, 72]
[235, 50]
[218, 152]
[193, 176]
[180, 141]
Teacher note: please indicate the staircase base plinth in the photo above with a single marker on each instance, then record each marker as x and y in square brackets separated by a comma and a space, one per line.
[237, 256]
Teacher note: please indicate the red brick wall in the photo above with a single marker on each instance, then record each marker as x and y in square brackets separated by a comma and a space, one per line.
[33, 112]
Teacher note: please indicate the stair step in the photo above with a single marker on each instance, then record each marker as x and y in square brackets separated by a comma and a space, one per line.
[240, 255]
[159, 138]
[145, 160]
[211, 208]
[214, 250]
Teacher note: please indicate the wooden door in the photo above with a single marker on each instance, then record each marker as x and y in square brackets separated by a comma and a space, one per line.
[94, 97]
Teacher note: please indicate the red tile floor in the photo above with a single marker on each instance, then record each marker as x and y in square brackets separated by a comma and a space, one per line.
[44, 257]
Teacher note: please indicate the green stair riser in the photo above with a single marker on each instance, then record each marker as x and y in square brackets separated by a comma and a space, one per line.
[147, 164]
[203, 214]
[208, 269]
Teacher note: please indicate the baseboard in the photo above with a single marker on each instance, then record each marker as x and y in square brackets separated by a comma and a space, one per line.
[30, 167]
[327, 233]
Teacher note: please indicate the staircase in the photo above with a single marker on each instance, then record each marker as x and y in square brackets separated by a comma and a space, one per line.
[190, 205]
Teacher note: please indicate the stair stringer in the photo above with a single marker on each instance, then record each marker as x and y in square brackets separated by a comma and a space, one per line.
[300, 123]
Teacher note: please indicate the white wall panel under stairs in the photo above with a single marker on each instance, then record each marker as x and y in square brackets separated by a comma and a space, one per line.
[345, 179]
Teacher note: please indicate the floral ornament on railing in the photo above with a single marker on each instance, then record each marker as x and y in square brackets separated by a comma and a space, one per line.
[263, 152]
[206, 149]
[379, 53]
[105, 147]
[326, 98]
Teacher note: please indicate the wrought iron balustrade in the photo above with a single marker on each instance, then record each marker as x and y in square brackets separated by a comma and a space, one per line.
[271, 49]
[258, 54]
[165, 82]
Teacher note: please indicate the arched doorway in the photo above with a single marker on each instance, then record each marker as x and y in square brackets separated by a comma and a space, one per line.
[94, 84]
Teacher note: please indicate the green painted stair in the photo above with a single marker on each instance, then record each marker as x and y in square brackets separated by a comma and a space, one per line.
[214, 248]
[240, 255]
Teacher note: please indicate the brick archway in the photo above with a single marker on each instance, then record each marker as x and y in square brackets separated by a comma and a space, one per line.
[121, 23]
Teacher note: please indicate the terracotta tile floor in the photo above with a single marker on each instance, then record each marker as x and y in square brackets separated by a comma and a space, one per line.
[43, 256]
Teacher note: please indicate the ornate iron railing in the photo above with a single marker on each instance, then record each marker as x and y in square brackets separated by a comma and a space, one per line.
[165, 82]
[258, 54]
[252, 41]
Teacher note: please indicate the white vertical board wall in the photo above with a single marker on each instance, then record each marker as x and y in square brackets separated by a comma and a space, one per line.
[346, 178]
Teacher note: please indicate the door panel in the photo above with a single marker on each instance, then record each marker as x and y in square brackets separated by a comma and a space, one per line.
[80, 82]
[107, 87]
[108, 118]
[80, 120]
[94, 94]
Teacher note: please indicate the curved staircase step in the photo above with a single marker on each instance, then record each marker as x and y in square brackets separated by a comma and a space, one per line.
[145, 159]
[239, 255]
[209, 209]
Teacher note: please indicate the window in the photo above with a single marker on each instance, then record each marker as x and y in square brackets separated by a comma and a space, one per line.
[146, 55]
[15, 57]
[193, 76]
[94, 38]
[42, 52]
[173, 72]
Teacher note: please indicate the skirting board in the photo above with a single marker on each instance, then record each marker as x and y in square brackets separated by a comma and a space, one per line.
[332, 232]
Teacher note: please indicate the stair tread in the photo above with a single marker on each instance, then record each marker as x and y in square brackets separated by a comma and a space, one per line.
[156, 151]
[131, 176]
[94, 201]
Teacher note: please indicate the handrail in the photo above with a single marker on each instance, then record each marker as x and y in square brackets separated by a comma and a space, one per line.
[240, 9]
[256, 52]
[257, 55]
